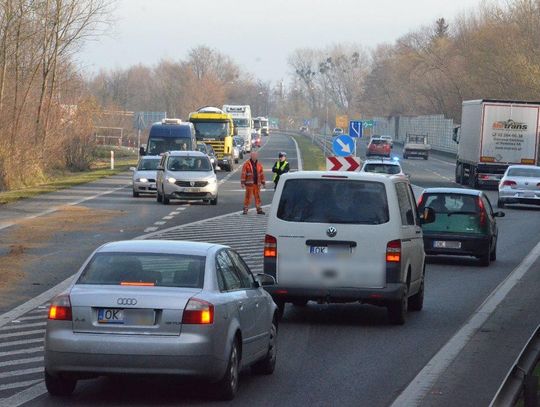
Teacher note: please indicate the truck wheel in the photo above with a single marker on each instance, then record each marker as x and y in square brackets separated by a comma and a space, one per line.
[458, 174]
[473, 179]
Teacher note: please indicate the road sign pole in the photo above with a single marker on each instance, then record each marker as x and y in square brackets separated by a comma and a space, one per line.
[139, 139]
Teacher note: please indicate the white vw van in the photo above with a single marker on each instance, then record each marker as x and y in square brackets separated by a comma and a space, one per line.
[346, 237]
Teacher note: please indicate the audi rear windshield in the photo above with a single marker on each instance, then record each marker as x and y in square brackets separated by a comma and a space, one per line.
[145, 269]
[333, 201]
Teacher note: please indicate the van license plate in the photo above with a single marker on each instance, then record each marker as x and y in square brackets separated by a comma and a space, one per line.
[110, 316]
[443, 244]
[318, 249]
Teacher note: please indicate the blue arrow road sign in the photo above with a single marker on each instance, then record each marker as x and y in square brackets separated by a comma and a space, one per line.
[355, 128]
[343, 145]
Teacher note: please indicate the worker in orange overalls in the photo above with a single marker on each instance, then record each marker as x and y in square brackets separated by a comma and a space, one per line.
[252, 179]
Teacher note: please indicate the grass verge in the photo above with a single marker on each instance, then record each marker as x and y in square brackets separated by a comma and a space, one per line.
[312, 156]
[68, 179]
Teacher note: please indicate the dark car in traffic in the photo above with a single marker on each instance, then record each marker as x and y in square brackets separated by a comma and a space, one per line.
[465, 224]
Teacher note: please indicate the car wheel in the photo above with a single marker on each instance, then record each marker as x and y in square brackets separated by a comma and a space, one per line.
[300, 303]
[493, 255]
[280, 309]
[59, 386]
[416, 301]
[165, 200]
[214, 201]
[135, 194]
[227, 387]
[159, 197]
[485, 259]
[267, 365]
[398, 310]
[500, 204]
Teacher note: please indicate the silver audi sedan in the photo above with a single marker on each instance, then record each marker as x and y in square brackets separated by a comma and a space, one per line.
[161, 307]
[520, 184]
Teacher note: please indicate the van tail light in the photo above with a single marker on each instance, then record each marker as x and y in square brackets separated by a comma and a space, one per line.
[198, 312]
[509, 183]
[60, 309]
[393, 251]
[483, 214]
[270, 246]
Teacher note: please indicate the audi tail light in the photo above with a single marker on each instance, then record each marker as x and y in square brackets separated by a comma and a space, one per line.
[270, 246]
[198, 312]
[509, 183]
[60, 308]
[393, 251]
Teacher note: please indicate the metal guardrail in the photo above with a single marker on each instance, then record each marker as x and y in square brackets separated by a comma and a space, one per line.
[520, 380]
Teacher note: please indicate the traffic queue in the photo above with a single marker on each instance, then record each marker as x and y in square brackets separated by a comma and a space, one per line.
[196, 309]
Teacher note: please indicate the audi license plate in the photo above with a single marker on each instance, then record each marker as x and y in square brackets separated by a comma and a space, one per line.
[445, 244]
[318, 250]
[110, 316]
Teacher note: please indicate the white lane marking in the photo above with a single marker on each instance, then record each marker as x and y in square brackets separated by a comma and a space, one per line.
[23, 326]
[21, 342]
[35, 302]
[298, 155]
[51, 210]
[151, 229]
[173, 213]
[22, 351]
[22, 372]
[25, 396]
[168, 217]
[23, 333]
[424, 381]
[21, 361]
[452, 164]
[16, 385]
[160, 222]
[29, 318]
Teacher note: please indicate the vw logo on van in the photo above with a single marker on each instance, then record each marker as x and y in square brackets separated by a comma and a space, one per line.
[126, 301]
[331, 231]
[192, 183]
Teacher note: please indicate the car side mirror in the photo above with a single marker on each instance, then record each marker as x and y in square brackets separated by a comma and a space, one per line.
[132, 169]
[265, 279]
[499, 215]
[427, 215]
[160, 168]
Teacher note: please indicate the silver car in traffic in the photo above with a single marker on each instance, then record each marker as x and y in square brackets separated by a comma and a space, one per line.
[161, 307]
[186, 175]
[144, 175]
[520, 184]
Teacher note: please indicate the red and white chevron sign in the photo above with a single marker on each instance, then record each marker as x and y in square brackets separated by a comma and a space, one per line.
[349, 163]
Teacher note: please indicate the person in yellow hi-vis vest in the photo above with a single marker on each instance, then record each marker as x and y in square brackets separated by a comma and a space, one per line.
[280, 167]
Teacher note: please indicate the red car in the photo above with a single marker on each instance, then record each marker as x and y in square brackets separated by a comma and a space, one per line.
[379, 147]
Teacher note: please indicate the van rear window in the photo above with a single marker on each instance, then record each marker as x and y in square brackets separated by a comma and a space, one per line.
[333, 201]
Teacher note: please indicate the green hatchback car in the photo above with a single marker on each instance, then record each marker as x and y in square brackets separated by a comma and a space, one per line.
[464, 224]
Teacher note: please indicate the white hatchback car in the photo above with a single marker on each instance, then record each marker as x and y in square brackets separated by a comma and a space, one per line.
[144, 175]
[187, 176]
[383, 166]
[346, 237]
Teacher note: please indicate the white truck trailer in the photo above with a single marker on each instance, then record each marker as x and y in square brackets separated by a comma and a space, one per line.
[241, 115]
[493, 135]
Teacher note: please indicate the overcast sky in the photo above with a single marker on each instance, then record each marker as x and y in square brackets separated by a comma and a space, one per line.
[258, 34]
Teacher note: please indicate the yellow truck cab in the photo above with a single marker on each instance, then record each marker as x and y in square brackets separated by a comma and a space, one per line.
[215, 127]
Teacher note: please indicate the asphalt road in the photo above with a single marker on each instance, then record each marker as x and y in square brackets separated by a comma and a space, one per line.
[347, 355]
